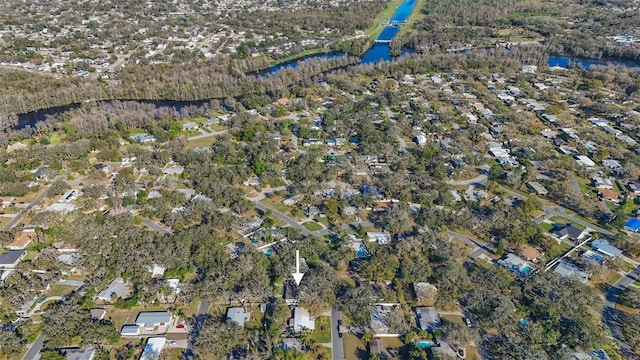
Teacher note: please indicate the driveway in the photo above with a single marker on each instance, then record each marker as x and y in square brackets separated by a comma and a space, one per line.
[337, 345]
[155, 227]
[612, 316]
[201, 316]
[34, 350]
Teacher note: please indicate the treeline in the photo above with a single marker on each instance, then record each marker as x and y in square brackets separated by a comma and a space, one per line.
[27, 92]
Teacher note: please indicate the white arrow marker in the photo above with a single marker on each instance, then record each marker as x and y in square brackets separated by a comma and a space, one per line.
[297, 276]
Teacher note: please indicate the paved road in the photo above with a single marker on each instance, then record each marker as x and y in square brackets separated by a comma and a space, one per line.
[611, 316]
[21, 215]
[283, 217]
[201, 316]
[480, 248]
[34, 350]
[575, 185]
[206, 135]
[155, 227]
[352, 226]
[75, 283]
[480, 179]
[337, 345]
[39, 304]
[562, 212]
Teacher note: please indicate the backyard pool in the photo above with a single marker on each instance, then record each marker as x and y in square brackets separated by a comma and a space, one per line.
[424, 344]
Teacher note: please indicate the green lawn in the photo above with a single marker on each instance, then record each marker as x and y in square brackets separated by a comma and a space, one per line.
[322, 333]
[353, 347]
[60, 290]
[383, 16]
[546, 226]
[202, 142]
[312, 226]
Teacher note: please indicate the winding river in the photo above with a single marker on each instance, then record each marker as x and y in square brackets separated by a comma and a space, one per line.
[380, 51]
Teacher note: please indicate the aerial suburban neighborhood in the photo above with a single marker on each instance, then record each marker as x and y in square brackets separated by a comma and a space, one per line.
[477, 197]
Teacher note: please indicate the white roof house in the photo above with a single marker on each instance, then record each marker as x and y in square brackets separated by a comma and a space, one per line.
[585, 161]
[130, 330]
[381, 237]
[151, 319]
[301, 320]
[153, 348]
[116, 288]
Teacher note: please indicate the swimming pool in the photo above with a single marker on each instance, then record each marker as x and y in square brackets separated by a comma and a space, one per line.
[424, 344]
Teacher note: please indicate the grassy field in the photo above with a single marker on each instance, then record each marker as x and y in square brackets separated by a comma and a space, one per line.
[60, 290]
[354, 348]
[169, 353]
[301, 54]
[416, 15]
[374, 31]
[312, 226]
[627, 310]
[121, 317]
[202, 142]
[322, 333]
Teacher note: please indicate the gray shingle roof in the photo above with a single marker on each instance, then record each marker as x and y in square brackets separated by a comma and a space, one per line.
[11, 257]
[149, 319]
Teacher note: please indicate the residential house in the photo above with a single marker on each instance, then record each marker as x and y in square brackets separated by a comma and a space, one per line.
[378, 349]
[151, 320]
[378, 318]
[427, 318]
[291, 344]
[566, 269]
[350, 210]
[87, 353]
[130, 330]
[117, 288]
[632, 224]
[531, 253]
[313, 211]
[45, 174]
[312, 142]
[237, 315]
[570, 232]
[301, 320]
[515, 264]
[11, 258]
[290, 201]
[281, 101]
[381, 237]
[425, 292]
[634, 188]
[420, 139]
[290, 293]
[252, 182]
[23, 240]
[537, 187]
[602, 183]
[97, 313]
[143, 138]
[189, 126]
[105, 168]
[173, 170]
[612, 164]
[153, 348]
[585, 161]
[602, 246]
[609, 195]
[68, 196]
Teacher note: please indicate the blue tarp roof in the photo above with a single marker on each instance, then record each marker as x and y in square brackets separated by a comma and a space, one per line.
[633, 224]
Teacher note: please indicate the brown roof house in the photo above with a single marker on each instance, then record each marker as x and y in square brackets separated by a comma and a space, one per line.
[531, 253]
[23, 240]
